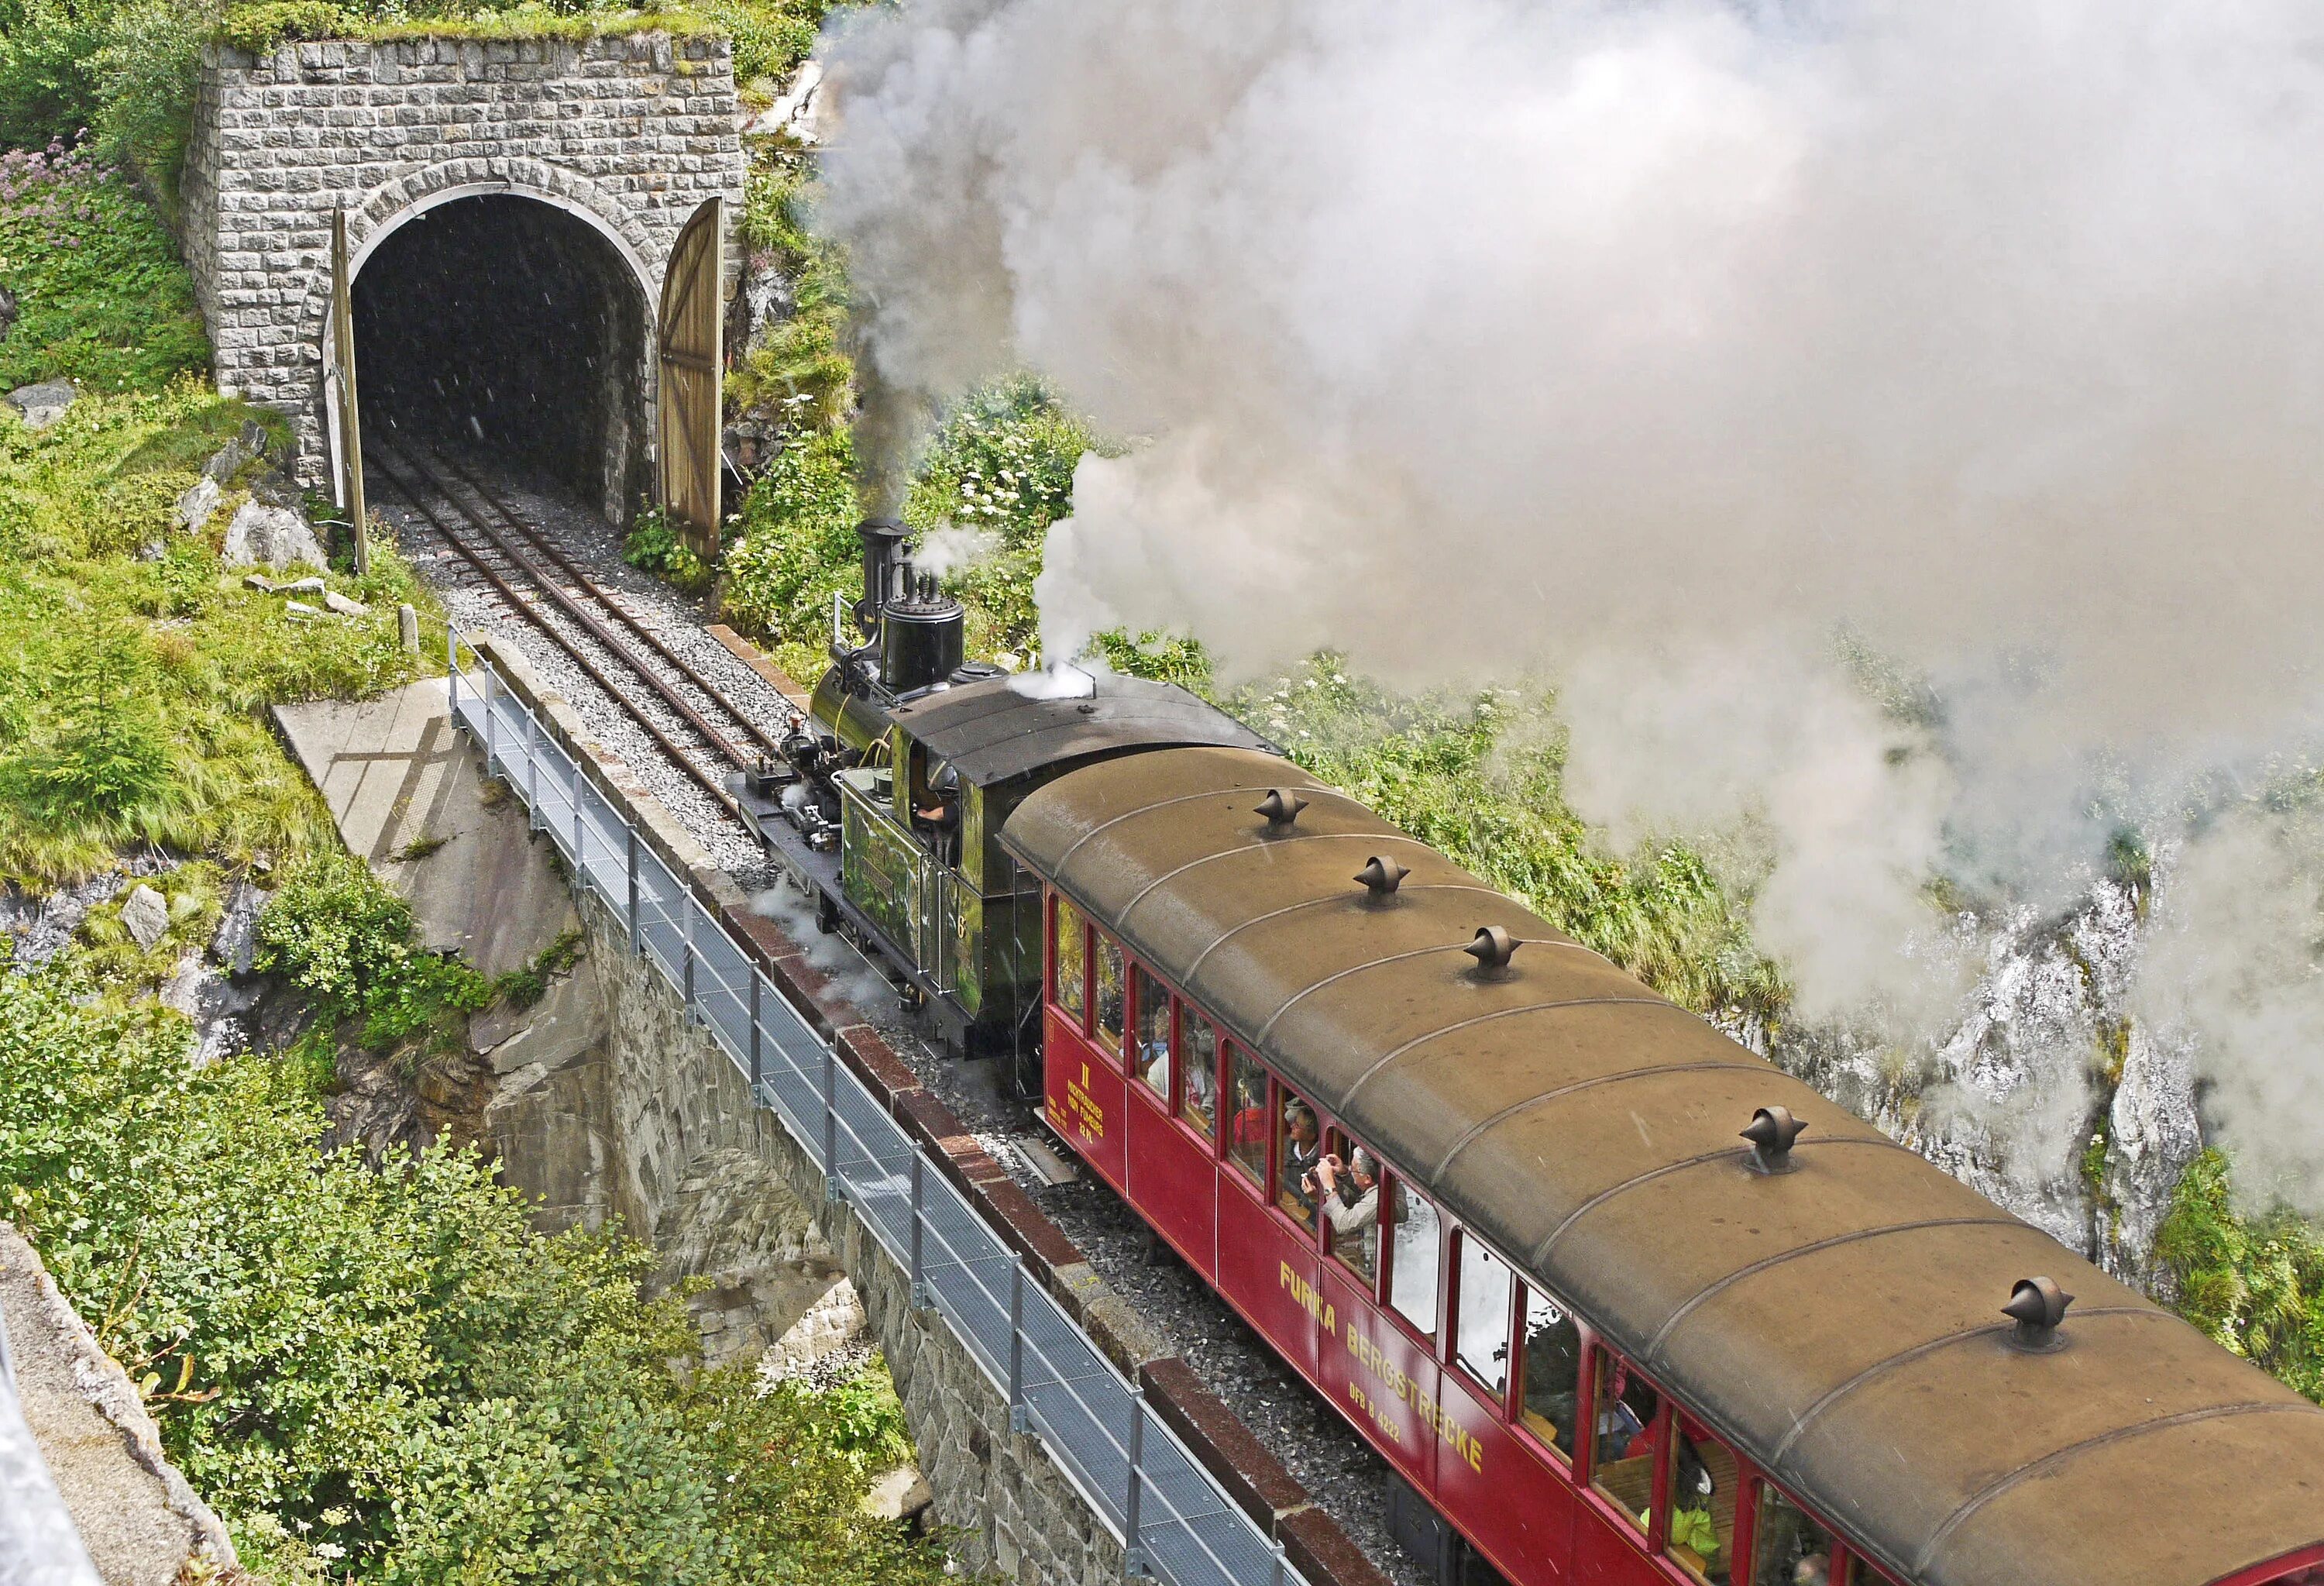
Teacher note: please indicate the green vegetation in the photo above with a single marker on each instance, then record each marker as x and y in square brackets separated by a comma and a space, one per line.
[338, 933]
[388, 1375]
[102, 299]
[653, 546]
[130, 690]
[2252, 1280]
[376, 1375]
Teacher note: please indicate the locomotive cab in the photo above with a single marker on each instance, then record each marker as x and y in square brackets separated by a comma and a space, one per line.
[911, 760]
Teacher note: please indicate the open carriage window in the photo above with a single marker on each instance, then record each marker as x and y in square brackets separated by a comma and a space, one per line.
[1482, 1347]
[1699, 1533]
[1550, 1372]
[1153, 1003]
[1246, 1126]
[1415, 1235]
[1629, 1422]
[1298, 1148]
[1069, 992]
[1107, 963]
[1348, 1192]
[1198, 1060]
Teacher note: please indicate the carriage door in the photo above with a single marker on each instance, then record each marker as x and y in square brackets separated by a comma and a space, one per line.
[688, 341]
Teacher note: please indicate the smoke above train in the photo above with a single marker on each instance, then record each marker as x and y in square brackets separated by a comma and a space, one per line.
[1652, 348]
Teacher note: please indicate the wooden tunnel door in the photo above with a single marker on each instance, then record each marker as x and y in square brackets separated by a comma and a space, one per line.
[687, 341]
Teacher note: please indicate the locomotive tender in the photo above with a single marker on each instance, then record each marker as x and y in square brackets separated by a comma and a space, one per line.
[1617, 1300]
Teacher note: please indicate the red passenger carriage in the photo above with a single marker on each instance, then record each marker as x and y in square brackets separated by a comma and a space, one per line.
[1213, 973]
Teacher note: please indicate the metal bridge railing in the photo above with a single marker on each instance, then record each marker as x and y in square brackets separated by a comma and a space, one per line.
[1173, 1518]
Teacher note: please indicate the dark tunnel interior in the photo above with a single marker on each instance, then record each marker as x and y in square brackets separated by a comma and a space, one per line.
[502, 324]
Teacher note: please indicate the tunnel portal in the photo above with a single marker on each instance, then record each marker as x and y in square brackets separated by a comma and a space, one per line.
[502, 324]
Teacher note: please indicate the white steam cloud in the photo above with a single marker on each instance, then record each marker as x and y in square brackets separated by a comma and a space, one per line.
[1648, 343]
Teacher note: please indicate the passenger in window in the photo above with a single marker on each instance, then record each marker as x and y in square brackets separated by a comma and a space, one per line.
[1199, 1056]
[1296, 1161]
[1153, 1033]
[1623, 1458]
[1793, 1547]
[1070, 982]
[1417, 1237]
[1108, 992]
[1246, 1130]
[1700, 1534]
[1552, 1369]
[1351, 1201]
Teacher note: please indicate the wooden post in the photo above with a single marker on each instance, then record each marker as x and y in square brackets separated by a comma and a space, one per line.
[343, 334]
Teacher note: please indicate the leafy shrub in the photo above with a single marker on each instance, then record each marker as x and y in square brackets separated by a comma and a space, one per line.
[390, 1376]
[338, 934]
[106, 754]
[101, 296]
[2253, 1281]
[654, 547]
[798, 548]
[50, 88]
[999, 471]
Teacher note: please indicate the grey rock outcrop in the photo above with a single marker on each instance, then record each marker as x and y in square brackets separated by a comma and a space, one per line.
[275, 535]
[43, 405]
[200, 500]
[145, 915]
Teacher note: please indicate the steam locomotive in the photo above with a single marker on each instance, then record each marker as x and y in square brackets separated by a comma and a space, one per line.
[890, 796]
[1616, 1300]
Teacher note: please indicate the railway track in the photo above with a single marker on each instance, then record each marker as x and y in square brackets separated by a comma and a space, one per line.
[537, 581]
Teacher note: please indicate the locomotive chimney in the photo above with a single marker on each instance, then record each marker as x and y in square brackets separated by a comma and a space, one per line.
[883, 547]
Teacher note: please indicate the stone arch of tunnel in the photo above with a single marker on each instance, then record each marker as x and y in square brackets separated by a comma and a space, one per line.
[502, 324]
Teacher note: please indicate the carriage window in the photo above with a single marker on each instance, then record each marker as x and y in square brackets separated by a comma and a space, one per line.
[1792, 1546]
[1622, 1461]
[1484, 1316]
[1348, 1191]
[1068, 994]
[1246, 1127]
[1415, 1236]
[1108, 964]
[1153, 1064]
[1550, 1371]
[1198, 1057]
[1298, 1147]
[1700, 1534]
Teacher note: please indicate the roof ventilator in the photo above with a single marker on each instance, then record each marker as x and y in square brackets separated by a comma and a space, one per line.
[1492, 948]
[1280, 808]
[2037, 1305]
[1381, 876]
[1772, 1133]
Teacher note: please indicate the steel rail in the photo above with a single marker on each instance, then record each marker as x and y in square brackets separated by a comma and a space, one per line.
[591, 624]
[519, 604]
[603, 596]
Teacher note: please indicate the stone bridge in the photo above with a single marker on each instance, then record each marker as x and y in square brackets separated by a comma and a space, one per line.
[553, 177]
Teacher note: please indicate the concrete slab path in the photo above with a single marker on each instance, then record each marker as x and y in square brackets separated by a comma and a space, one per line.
[410, 797]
